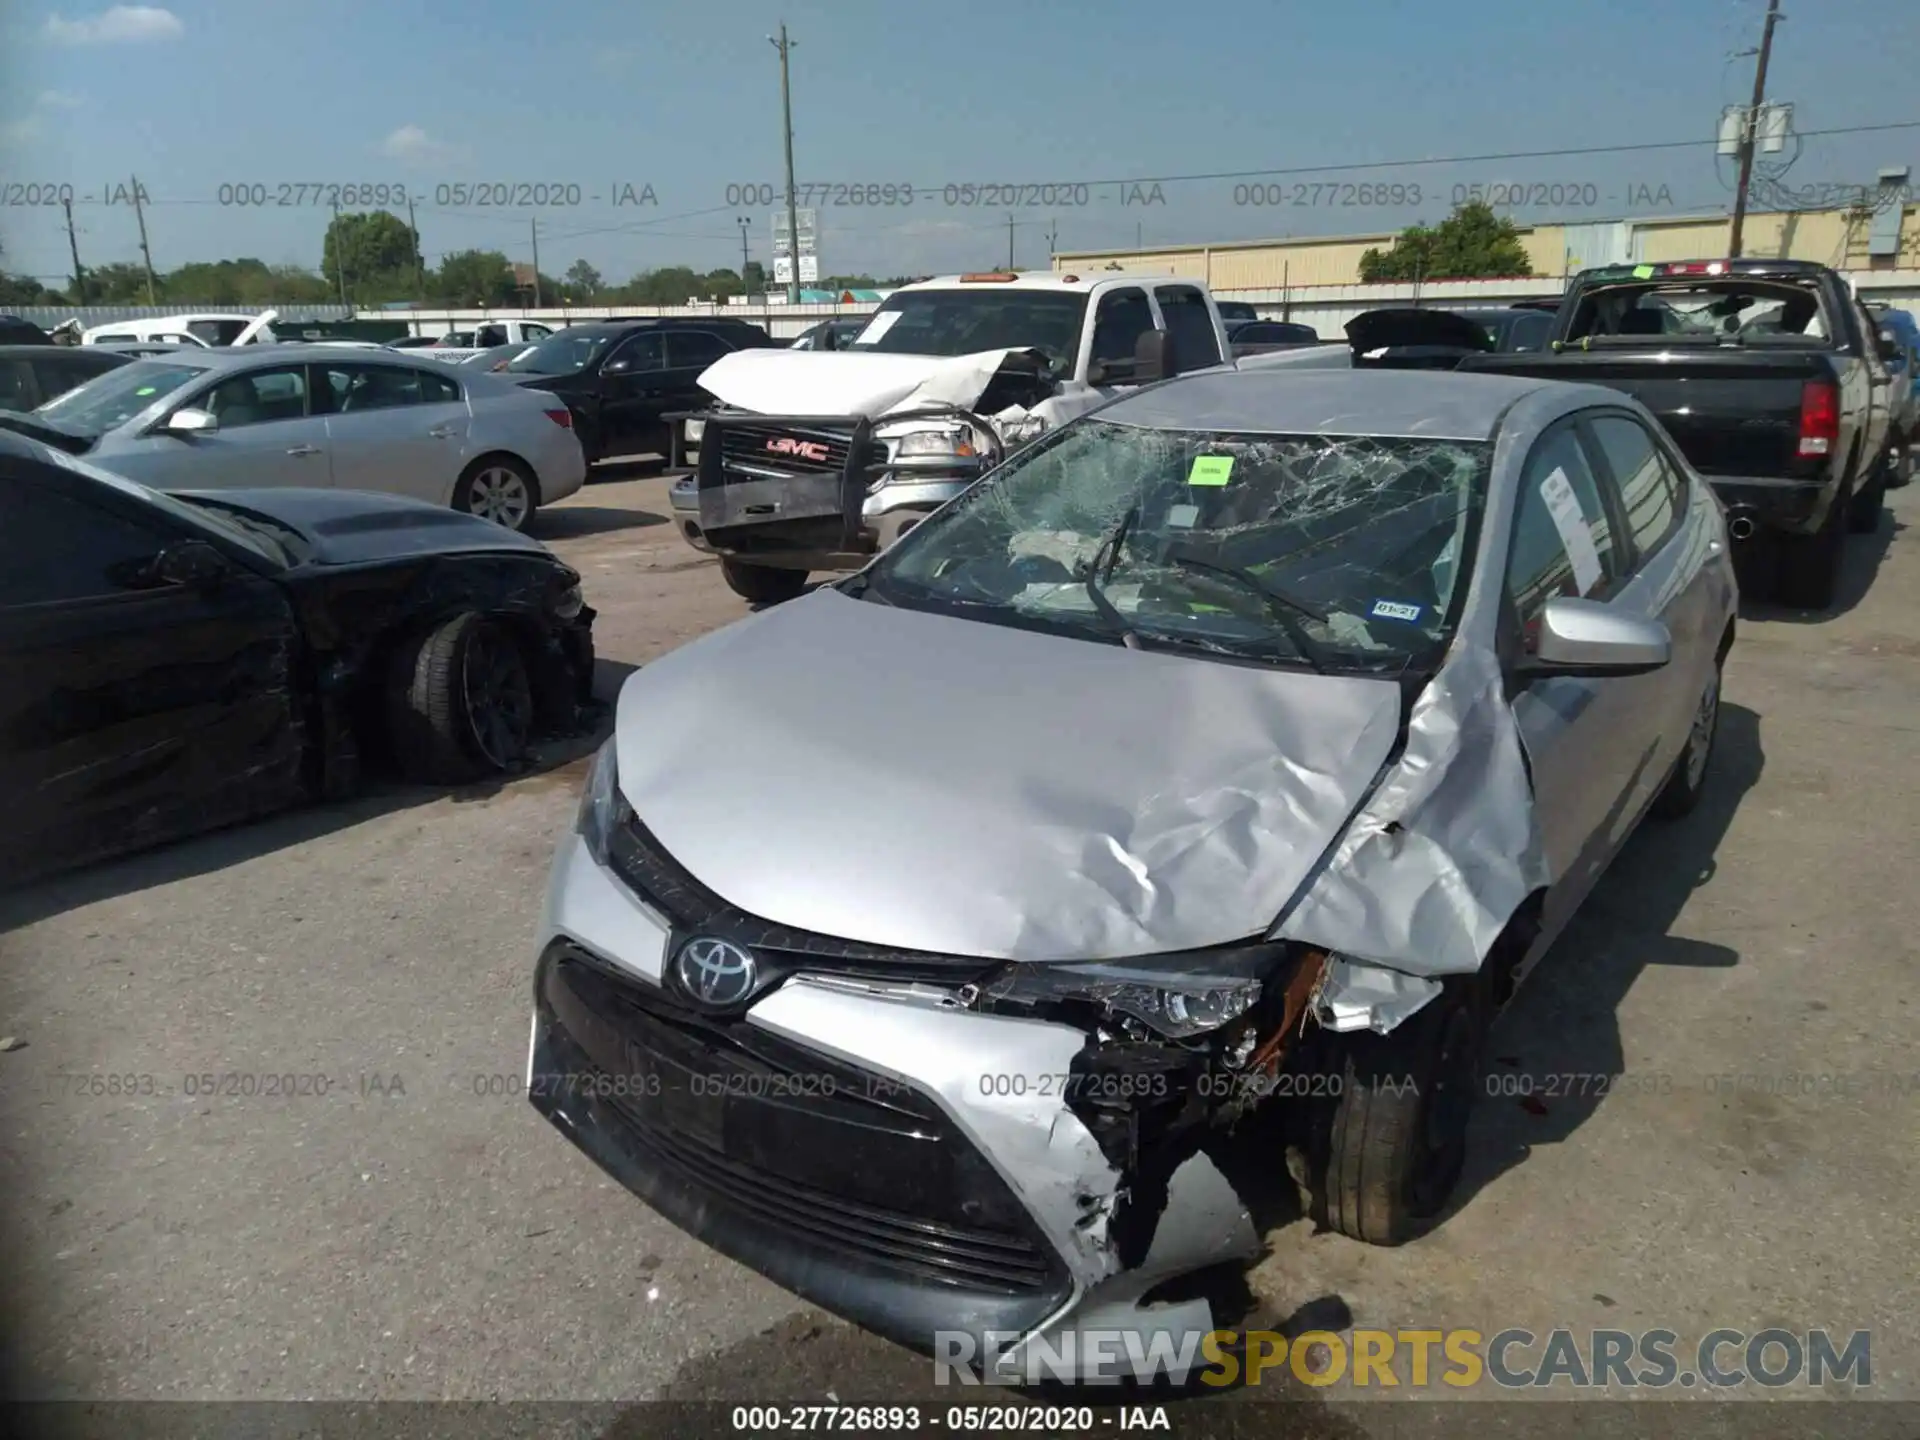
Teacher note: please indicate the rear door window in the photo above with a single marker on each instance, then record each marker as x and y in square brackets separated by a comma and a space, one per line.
[1650, 491]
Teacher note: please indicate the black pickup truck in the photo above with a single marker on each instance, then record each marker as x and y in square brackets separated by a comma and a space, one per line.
[1769, 377]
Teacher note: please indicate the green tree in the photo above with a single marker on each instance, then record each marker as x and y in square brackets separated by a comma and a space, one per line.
[582, 281]
[376, 248]
[474, 278]
[1472, 243]
[756, 278]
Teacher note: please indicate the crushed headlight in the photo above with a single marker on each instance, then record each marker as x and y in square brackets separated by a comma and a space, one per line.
[944, 444]
[695, 429]
[568, 603]
[1179, 996]
[602, 807]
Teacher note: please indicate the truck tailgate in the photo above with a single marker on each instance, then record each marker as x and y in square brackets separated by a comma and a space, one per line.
[1731, 410]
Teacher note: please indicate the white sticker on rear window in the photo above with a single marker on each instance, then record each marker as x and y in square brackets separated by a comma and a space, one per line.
[878, 326]
[1575, 533]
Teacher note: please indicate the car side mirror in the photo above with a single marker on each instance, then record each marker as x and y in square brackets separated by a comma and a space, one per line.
[1153, 357]
[1592, 639]
[192, 563]
[191, 422]
[1889, 345]
[616, 367]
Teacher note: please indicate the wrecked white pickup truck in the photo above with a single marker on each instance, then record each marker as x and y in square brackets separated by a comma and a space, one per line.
[818, 460]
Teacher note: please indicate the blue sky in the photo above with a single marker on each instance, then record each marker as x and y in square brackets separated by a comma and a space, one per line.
[613, 96]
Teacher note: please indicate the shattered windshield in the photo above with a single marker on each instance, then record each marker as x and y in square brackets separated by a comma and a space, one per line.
[965, 322]
[1329, 551]
[1731, 308]
[110, 400]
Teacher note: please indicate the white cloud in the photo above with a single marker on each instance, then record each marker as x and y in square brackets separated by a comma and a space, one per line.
[29, 126]
[19, 132]
[415, 146]
[56, 100]
[120, 25]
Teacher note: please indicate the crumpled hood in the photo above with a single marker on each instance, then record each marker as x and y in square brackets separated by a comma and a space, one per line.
[940, 784]
[359, 527]
[841, 382]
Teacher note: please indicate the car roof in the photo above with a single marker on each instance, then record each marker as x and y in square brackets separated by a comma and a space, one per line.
[29, 351]
[1425, 403]
[1036, 280]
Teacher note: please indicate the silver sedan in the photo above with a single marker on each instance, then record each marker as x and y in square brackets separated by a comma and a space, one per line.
[319, 415]
[1230, 754]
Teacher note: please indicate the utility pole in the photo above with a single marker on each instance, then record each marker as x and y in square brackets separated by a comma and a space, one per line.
[340, 255]
[146, 255]
[743, 223]
[1009, 243]
[419, 264]
[783, 45]
[1053, 235]
[533, 224]
[1749, 131]
[73, 248]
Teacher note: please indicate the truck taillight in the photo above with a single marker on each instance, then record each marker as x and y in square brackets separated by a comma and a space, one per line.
[561, 417]
[1819, 417]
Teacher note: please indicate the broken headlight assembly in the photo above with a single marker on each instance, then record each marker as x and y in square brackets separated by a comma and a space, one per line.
[603, 809]
[567, 602]
[947, 443]
[1178, 997]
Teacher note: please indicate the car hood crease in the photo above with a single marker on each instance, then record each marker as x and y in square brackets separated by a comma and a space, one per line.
[836, 382]
[934, 783]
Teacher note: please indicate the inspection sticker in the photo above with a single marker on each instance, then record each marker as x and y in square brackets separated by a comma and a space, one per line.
[1564, 506]
[1210, 470]
[1643, 272]
[1182, 517]
[1394, 610]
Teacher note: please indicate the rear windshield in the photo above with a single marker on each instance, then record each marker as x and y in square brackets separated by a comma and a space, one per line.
[965, 322]
[1734, 308]
[217, 332]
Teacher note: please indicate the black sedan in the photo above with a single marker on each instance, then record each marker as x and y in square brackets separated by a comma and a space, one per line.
[31, 375]
[171, 663]
[619, 378]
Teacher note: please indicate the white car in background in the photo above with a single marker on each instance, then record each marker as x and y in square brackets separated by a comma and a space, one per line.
[209, 331]
[320, 415]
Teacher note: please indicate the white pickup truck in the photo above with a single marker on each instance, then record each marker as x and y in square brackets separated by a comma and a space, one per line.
[817, 460]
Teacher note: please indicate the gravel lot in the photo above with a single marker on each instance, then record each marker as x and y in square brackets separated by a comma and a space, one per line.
[409, 1236]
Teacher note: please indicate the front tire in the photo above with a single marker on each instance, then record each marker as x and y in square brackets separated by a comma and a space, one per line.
[459, 702]
[1688, 782]
[1396, 1141]
[499, 488]
[762, 584]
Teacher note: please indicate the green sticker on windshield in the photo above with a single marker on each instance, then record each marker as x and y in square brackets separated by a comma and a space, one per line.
[1643, 272]
[1210, 470]
[146, 390]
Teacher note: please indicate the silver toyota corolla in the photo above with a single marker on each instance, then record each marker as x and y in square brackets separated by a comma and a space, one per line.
[964, 945]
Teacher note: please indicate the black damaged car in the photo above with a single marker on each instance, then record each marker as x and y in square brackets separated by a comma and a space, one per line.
[172, 663]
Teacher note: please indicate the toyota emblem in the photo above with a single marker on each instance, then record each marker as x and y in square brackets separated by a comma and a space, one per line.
[717, 973]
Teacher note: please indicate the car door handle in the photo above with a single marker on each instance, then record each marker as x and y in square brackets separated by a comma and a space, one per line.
[304, 450]
[441, 432]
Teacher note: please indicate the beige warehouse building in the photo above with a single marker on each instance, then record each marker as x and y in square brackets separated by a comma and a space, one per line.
[1847, 239]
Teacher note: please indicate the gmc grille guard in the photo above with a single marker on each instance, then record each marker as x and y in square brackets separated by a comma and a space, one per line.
[856, 474]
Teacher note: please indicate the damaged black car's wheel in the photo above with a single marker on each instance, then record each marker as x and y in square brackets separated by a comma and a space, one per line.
[762, 584]
[459, 702]
[1396, 1141]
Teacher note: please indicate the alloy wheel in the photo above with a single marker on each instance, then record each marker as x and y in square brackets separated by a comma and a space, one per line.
[498, 696]
[499, 495]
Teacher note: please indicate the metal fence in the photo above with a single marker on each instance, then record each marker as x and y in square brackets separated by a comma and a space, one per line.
[47, 316]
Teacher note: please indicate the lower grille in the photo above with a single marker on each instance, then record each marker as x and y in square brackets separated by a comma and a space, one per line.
[833, 1158]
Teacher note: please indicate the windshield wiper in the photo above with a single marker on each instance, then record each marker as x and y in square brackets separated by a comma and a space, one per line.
[1109, 552]
[1283, 607]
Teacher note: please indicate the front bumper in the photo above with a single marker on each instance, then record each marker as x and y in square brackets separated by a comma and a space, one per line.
[908, 1165]
[817, 551]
